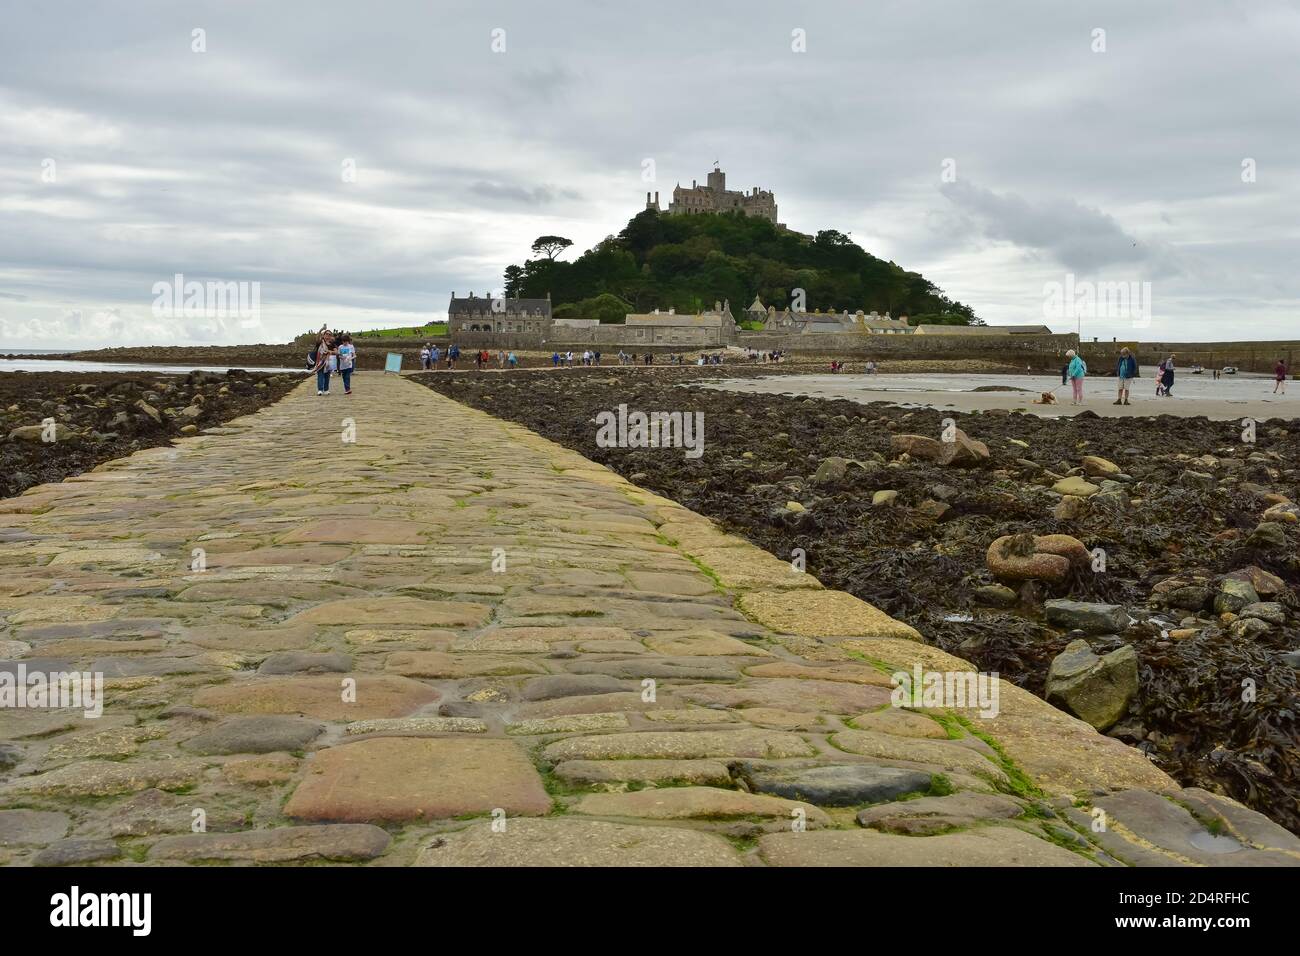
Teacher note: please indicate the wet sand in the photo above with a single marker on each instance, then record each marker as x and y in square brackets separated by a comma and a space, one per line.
[1223, 399]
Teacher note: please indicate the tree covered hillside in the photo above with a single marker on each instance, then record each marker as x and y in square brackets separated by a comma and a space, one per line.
[688, 262]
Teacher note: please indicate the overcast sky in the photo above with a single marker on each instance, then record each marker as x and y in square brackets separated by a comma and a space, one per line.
[127, 157]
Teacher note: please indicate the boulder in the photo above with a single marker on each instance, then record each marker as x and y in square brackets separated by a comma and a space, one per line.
[1049, 557]
[1077, 486]
[1196, 479]
[831, 470]
[995, 595]
[1285, 513]
[1070, 508]
[963, 451]
[36, 433]
[1096, 467]
[1248, 628]
[1233, 596]
[931, 509]
[917, 446]
[1267, 536]
[1191, 597]
[1086, 616]
[1269, 611]
[1266, 585]
[1096, 689]
[148, 410]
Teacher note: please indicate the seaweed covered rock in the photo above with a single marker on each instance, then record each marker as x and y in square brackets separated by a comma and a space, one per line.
[1027, 557]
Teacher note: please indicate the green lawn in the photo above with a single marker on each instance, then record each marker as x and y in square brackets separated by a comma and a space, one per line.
[405, 332]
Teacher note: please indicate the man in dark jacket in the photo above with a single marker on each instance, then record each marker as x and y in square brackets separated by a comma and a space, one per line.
[1126, 370]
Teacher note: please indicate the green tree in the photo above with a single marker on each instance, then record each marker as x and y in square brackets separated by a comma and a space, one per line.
[689, 262]
[514, 277]
[551, 246]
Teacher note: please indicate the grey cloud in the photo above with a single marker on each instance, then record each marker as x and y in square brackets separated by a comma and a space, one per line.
[538, 195]
[1079, 237]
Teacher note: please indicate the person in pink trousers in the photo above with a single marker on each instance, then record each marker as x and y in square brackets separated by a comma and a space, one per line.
[1076, 370]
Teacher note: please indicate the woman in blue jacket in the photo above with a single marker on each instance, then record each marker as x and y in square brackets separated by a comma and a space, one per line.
[1077, 369]
[1125, 371]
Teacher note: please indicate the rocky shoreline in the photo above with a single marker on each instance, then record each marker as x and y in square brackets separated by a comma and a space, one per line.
[57, 424]
[1140, 573]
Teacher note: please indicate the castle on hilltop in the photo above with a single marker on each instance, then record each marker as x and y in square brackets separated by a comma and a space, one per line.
[714, 196]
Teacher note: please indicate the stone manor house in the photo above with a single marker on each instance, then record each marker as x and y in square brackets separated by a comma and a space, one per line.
[473, 313]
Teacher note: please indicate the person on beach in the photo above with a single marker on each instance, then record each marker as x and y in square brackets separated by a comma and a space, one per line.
[1279, 376]
[434, 357]
[1167, 377]
[1077, 369]
[1126, 370]
[513, 360]
[424, 356]
[324, 353]
[1065, 369]
[347, 359]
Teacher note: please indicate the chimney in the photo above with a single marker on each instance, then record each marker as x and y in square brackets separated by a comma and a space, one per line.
[656, 197]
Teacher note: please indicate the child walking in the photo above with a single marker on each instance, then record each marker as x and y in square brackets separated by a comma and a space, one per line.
[347, 357]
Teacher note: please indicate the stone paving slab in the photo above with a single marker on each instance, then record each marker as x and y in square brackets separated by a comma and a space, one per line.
[454, 643]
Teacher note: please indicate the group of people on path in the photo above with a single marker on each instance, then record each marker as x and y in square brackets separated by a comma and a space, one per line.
[588, 358]
[431, 355]
[333, 354]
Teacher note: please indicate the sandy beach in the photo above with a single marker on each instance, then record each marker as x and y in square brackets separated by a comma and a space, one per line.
[1223, 399]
